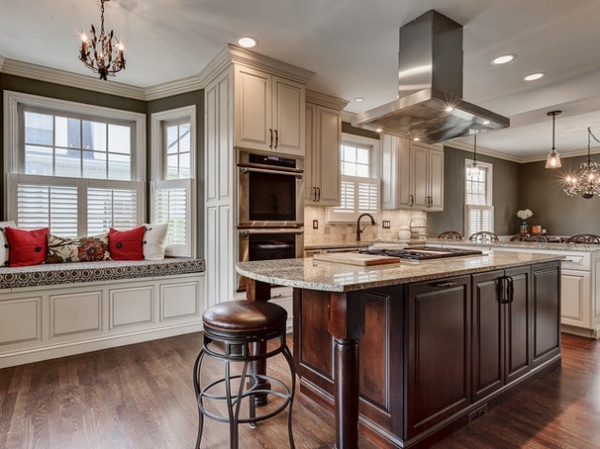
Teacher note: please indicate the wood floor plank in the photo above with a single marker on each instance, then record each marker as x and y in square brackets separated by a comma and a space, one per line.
[141, 397]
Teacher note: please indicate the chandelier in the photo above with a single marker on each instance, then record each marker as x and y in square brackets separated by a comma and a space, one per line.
[103, 54]
[587, 183]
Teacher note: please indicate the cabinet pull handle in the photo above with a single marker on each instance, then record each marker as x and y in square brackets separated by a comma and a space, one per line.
[276, 139]
[511, 289]
[446, 284]
[319, 194]
[271, 134]
[506, 289]
[314, 196]
[411, 199]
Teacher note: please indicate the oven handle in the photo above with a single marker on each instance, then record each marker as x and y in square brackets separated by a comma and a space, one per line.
[245, 170]
[246, 232]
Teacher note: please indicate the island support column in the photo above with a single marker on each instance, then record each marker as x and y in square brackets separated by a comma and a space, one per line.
[346, 325]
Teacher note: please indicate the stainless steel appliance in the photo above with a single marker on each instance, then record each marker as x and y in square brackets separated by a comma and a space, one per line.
[422, 252]
[270, 207]
[430, 87]
[267, 244]
[271, 191]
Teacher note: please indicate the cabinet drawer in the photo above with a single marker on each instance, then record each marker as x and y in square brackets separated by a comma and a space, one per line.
[579, 261]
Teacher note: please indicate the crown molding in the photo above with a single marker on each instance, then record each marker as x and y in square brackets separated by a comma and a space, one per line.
[325, 100]
[50, 75]
[1, 62]
[232, 54]
[484, 151]
[172, 88]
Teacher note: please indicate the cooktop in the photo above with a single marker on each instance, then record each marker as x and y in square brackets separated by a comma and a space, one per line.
[422, 252]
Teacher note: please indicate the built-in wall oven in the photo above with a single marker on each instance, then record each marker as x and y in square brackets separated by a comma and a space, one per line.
[271, 190]
[270, 208]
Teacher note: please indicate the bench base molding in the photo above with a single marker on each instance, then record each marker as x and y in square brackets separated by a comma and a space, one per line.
[40, 323]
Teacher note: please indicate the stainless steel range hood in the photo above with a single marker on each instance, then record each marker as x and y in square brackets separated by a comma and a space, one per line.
[430, 107]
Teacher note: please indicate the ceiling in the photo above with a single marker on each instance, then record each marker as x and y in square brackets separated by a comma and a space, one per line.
[352, 45]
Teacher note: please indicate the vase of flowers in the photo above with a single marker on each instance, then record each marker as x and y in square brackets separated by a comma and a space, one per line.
[524, 215]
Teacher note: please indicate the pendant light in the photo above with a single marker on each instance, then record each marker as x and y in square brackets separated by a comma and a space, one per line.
[473, 169]
[553, 160]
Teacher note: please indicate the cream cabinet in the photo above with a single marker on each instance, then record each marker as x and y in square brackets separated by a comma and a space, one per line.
[323, 142]
[412, 175]
[269, 112]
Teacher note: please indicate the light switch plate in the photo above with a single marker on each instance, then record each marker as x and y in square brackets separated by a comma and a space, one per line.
[385, 224]
[315, 224]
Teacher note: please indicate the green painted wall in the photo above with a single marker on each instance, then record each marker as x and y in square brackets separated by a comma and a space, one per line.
[541, 191]
[506, 194]
[41, 88]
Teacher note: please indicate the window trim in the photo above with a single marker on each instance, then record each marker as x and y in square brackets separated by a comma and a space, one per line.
[489, 182]
[13, 156]
[157, 120]
[334, 217]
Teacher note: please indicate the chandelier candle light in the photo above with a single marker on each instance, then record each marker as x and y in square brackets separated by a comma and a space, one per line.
[103, 54]
[587, 183]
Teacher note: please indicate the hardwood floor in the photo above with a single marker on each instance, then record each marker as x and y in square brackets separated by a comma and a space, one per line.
[141, 397]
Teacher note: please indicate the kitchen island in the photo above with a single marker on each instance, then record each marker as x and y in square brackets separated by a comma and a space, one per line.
[414, 350]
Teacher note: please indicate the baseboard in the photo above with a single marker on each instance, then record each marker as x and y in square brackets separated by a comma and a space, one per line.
[53, 351]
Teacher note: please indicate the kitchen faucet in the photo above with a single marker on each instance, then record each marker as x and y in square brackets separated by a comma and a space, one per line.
[358, 230]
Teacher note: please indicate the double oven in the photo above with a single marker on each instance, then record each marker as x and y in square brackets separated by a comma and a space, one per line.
[270, 220]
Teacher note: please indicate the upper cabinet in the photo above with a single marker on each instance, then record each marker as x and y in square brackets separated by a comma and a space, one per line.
[412, 175]
[269, 112]
[323, 142]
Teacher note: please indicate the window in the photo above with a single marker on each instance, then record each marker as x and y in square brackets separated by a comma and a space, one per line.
[77, 169]
[173, 188]
[359, 192]
[479, 210]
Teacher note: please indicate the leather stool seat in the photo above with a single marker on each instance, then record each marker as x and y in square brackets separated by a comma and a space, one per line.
[237, 332]
[245, 317]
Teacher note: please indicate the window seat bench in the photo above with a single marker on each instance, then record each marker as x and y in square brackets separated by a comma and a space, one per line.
[54, 310]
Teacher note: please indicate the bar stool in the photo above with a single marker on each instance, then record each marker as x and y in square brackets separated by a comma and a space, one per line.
[233, 331]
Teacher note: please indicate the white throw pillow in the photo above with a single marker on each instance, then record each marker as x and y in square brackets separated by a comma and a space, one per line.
[154, 240]
[4, 241]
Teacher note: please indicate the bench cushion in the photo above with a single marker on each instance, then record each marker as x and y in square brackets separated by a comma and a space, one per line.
[74, 273]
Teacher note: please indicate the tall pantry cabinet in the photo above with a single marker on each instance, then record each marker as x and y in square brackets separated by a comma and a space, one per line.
[252, 102]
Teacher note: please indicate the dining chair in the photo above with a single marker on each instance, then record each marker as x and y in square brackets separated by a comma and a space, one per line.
[450, 235]
[483, 236]
[584, 238]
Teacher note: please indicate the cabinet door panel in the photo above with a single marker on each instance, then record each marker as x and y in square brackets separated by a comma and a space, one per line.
[436, 180]
[420, 168]
[327, 164]
[310, 127]
[575, 297]
[518, 354]
[438, 351]
[288, 117]
[546, 312]
[253, 109]
[488, 341]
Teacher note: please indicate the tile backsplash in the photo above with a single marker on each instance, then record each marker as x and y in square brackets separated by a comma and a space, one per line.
[346, 233]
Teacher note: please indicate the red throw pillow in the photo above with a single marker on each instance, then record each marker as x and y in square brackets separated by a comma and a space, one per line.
[126, 245]
[26, 247]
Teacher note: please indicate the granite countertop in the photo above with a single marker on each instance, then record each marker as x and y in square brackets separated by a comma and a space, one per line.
[336, 277]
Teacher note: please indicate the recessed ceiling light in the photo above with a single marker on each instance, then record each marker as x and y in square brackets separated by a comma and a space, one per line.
[503, 59]
[486, 122]
[449, 109]
[247, 42]
[359, 99]
[416, 139]
[379, 130]
[534, 76]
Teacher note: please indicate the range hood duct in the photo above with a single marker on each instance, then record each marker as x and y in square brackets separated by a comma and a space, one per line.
[430, 107]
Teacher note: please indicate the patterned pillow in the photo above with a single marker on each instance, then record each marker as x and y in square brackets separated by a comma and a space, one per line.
[4, 241]
[85, 249]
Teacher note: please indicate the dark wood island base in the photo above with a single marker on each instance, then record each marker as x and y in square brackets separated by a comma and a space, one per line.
[409, 363]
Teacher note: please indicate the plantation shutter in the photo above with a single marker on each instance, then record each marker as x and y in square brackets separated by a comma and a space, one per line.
[479, 218]
[111, 208]
[357, 196]
[171, 203]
